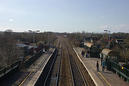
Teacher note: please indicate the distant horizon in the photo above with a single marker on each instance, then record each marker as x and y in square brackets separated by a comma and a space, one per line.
[67, 32]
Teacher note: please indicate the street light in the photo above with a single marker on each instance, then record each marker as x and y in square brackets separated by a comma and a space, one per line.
[108, 32]
[108, 36]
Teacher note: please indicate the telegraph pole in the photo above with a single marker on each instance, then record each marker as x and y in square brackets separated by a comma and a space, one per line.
[108, 34]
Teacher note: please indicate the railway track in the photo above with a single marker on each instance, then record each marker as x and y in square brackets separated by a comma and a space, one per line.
[66, 76]
[85, 75]
[65, 69]
[53, 75]
[77, 78]
[77, 75]
[32, 70]
[17, 75]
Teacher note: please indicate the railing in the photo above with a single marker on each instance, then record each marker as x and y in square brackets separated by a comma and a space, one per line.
[120, 70]
[42, 79]
[8, 68]
[27, 63]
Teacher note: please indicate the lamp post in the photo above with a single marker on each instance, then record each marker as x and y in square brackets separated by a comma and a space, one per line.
[125, 53]
[108, 37]
[108, 32]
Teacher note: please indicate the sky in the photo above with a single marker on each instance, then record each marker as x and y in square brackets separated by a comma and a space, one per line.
[65, 15]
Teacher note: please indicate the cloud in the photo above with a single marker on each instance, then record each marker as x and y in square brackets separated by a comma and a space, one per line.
[11, 20]
[3, 28]
[116, 28]
[121, 28]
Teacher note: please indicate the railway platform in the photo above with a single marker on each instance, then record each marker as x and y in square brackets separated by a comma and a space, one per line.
[106, 78]
[36, 69]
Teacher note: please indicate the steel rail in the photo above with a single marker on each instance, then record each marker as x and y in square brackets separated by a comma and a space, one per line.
[74, 60]
[58, 74]
[51, 68]
[49, 72]
[71, 69]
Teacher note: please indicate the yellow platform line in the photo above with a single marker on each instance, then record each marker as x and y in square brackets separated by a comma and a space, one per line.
[25, 79]
[104, 79]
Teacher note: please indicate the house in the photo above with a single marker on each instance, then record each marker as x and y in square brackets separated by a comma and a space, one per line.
[88, 44]
[91, 49]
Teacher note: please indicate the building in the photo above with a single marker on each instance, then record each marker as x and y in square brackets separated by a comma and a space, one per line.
[91, 50]
[109, 54]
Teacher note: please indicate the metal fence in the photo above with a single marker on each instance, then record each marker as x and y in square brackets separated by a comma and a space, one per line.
[9, 68]
[120, 70]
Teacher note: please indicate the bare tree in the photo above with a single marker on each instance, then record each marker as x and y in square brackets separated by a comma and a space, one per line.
[9, 52]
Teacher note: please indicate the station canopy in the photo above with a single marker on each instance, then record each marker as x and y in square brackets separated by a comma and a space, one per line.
[88, 44]
[106, 51]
